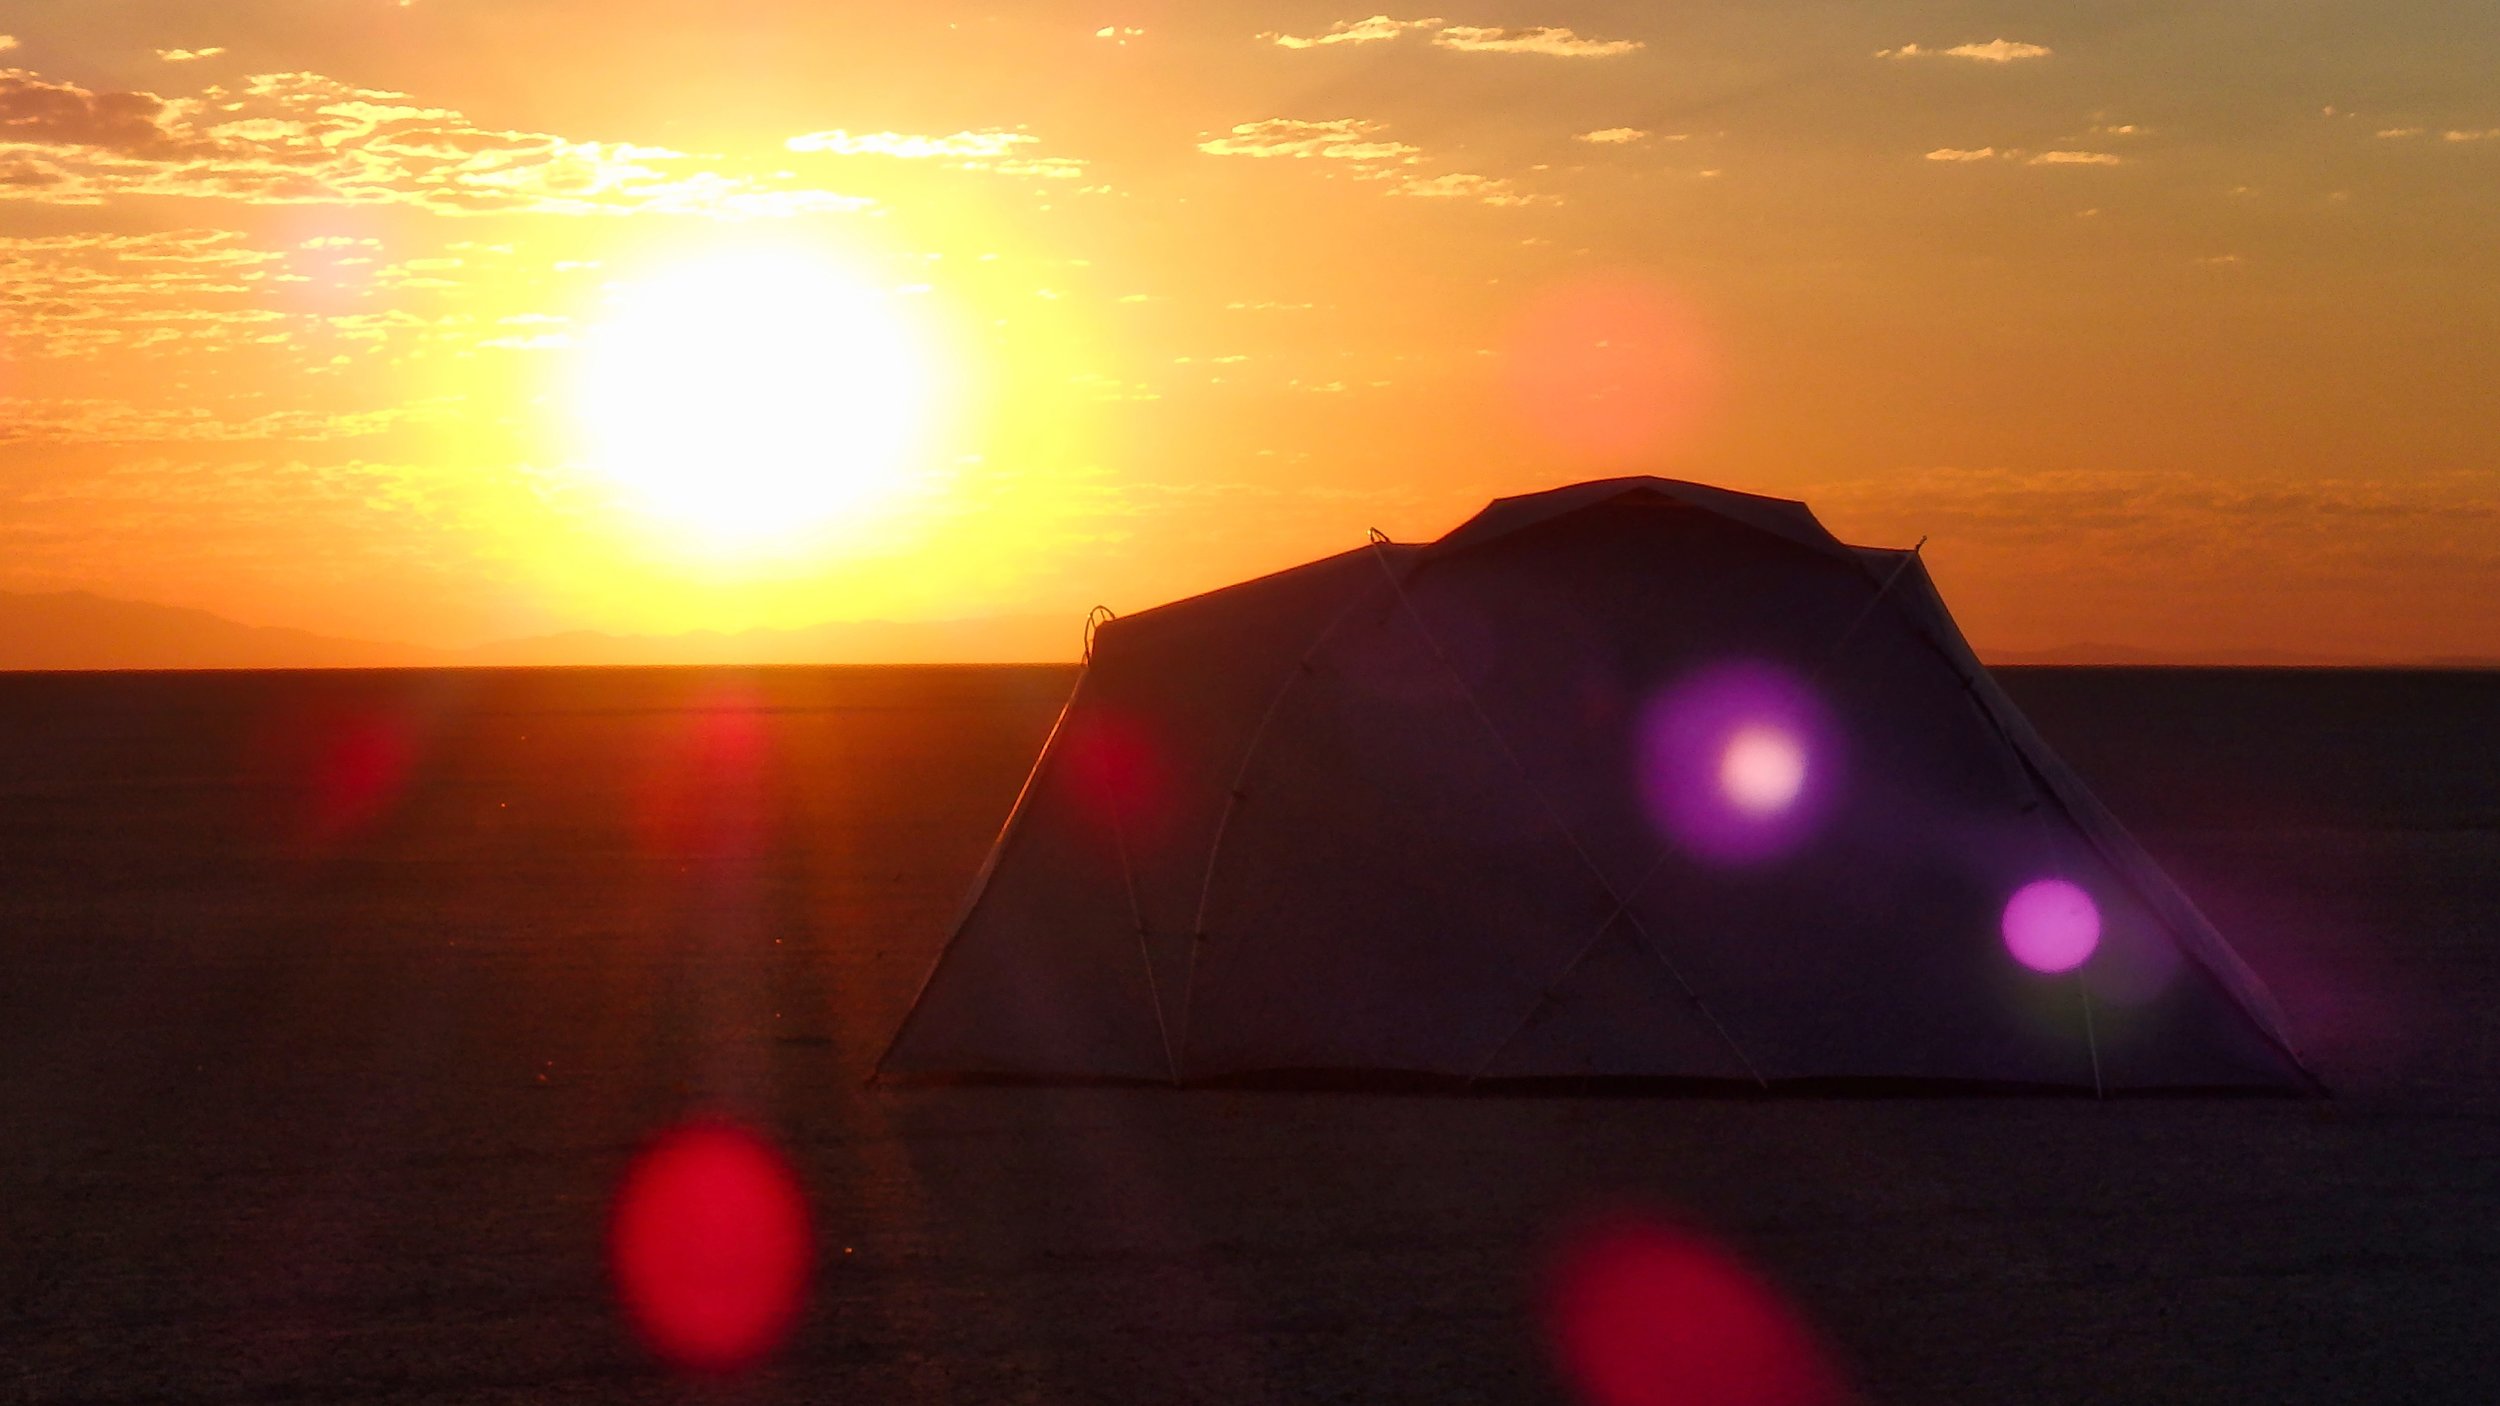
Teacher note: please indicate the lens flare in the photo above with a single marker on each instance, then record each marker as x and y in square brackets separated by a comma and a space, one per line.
[1610, 370]
[2051, 926]
[1739, 762]
[1645, 1314]
[711, 1248]
[1762, 770]
[1119, 774]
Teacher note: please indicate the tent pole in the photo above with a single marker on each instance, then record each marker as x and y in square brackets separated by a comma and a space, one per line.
[1224, 820]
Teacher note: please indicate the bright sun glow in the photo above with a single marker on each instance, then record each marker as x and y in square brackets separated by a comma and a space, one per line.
[754, 399]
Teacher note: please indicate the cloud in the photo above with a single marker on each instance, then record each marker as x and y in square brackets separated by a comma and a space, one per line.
[301, 138]
[7, 42]
[1554, 41]
[101, 421]
[1341, 139]
[1119, 33]
[994, 149]
[1550, 40]
[2400, 131]
[2077, 158]
[188, 55]
[1366, 31]
[1994, 51]
[2486, 134]
[1361, 146]
[65, 296]
[1613, 136]
[1463, 185]
[131, 125]
[1956, 153]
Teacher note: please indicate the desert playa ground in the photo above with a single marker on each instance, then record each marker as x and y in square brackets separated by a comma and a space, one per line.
[333, 1006]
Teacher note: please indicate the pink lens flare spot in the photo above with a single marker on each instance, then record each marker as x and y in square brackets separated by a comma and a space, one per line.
[1762, 770]
[2051, 926]
[711, 1248]
[1645, 1314]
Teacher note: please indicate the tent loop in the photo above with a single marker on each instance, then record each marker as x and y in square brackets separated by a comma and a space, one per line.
[1377, 538]
[1095, 619]
[1623, 907]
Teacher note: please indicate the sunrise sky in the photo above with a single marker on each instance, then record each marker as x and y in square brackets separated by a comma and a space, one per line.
[2170, 325]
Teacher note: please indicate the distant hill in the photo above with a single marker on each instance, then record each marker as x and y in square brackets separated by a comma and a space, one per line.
[2126, 655]
[81, 630]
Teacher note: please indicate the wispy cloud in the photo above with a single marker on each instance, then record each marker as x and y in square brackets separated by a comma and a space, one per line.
[1370, 155]
[189, 55]
[1552, 41]
[1340, 139]
[2077, 158]
[1613, 136]
[1959, 153]
[1994, 51]
[67, 296]
[301, 138]
[1377, 29]
[1463, 185]
[101, 421]
[2400, 131]
[1120, 33]
[2485, 134]
[992, 149]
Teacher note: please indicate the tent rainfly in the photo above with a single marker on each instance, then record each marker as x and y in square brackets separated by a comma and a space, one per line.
[1635, 779]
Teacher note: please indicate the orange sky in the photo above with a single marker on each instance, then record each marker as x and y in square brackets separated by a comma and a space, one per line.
[2169, 326]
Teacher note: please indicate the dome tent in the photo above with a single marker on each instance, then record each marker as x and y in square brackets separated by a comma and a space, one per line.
[1635, 779]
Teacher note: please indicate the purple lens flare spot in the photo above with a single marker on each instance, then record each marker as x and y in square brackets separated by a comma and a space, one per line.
[1740, 762]
[2051, 926]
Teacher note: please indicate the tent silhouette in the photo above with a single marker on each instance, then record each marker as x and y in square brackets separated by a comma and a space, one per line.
[1635, 779]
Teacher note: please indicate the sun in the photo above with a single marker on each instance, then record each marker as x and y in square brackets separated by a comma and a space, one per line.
[754, 399]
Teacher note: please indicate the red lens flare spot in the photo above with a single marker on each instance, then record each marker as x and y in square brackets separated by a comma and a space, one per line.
[344, 771]
[2051, 926]
[1118, 774]
[711, 1248]
[705, 796]
[1611, 371]
[1644, 1314]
